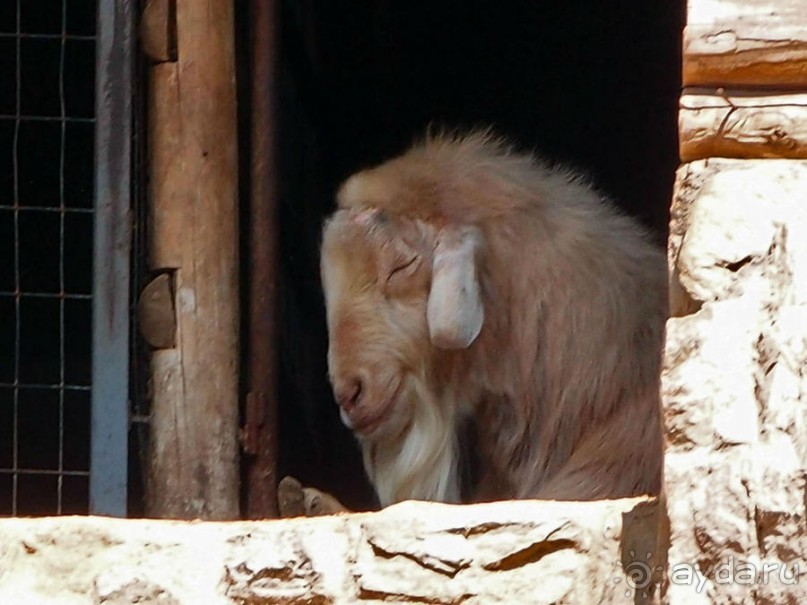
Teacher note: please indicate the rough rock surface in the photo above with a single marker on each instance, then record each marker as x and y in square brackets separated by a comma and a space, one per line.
[507, 552]
[735, 384]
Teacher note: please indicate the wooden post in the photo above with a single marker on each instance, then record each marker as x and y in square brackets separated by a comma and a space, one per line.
[261, 409]
[194, 240]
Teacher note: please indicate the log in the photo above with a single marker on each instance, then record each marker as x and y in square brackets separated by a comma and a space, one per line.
[194, 237]
[742, 42]
[739, 124]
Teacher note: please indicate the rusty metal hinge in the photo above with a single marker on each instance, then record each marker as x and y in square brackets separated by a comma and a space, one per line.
[255, 417]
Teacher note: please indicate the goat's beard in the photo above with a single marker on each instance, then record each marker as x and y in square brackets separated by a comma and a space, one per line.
[421, 461]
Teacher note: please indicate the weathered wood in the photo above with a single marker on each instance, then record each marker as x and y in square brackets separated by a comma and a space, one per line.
[194, 227]
[156, 316]
[746, 42]
[261, 413]
[158, 35]
[742, 125]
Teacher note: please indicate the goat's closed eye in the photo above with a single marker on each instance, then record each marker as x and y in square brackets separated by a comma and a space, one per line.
[405, 277]
[405, 268]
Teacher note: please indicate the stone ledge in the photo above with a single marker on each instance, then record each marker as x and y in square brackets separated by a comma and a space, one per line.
[414, 552]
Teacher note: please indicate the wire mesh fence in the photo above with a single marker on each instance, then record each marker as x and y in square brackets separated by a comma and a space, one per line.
[47, 66]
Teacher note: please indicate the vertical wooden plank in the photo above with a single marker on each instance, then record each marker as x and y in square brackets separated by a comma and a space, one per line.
[194, 236]
[261, 425]
[112, 240]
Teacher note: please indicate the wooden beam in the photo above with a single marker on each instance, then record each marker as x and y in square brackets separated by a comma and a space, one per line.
[740, 124]
[194, 236]
[261, 436]
[746, 42]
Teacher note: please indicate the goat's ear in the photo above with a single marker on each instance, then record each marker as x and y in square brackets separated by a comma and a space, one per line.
[455, 312]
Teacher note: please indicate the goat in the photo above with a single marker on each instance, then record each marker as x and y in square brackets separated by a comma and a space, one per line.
[467, 283]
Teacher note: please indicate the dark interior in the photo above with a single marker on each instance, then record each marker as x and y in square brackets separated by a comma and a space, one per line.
[588, 83]
[47, 107]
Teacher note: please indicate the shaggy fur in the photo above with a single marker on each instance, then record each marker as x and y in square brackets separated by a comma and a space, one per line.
[562, 379]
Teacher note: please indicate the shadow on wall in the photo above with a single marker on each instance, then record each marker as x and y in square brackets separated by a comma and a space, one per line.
[579, 82]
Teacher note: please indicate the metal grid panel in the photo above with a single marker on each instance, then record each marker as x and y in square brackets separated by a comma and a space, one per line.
[47, 64]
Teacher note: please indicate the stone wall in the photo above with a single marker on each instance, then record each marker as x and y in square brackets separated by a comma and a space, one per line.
[735, 383]
[507, 552]
[735, 377]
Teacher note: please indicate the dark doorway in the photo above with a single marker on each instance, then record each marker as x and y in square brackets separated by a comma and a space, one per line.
[588, 83]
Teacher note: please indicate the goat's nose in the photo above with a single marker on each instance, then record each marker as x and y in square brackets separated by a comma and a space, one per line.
[348, 393]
